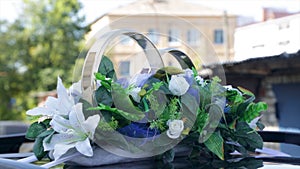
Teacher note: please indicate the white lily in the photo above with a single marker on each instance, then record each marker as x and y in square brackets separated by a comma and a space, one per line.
[61, 105]
[73, 132]
[178, 85]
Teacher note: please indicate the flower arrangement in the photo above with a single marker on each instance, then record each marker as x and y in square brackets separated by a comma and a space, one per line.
[160, 109]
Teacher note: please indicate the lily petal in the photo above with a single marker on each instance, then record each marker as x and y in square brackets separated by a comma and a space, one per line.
[61, 149]
[84, 147]
[75, 91]
[64, 102]
[39, 111]
[76, 117]
[91, 124]
[62, 138]
[51, 102]
[60, 124]
[61, 90]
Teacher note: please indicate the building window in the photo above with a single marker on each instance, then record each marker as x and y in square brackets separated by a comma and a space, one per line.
[218, 36]
[174, 34]
[153, 36]
[193, 36]
[124, 68]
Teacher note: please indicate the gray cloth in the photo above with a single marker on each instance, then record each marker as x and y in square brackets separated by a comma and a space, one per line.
[13, 164]
[102, 157]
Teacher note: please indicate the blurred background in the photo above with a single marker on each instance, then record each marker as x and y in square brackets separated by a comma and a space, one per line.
[256, 42]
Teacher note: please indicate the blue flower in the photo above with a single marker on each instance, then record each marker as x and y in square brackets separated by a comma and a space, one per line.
[138, 130]
[189, 77]
[140, 79]
[227, 109]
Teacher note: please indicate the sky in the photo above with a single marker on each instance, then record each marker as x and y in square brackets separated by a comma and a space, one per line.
[9, 9]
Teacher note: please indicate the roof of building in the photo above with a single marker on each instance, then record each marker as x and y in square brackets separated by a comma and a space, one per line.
[167, 7]
[273, 13]
[284, 63]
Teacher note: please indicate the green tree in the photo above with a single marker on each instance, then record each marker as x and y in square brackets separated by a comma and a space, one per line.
[39, 46]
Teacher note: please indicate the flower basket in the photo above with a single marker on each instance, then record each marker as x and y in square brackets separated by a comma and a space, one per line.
[160, 112]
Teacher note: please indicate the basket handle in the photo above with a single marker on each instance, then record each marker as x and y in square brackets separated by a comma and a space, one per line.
[182, 58]
[95, 53]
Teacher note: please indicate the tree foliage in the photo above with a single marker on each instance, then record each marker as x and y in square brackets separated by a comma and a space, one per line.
[40, 45]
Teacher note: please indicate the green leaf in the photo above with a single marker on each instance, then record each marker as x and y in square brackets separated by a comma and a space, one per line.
[122, 102]
[46, 123]
[34, 130]
[103, 96]
[190, 103]
[158, 102]
[215, 113]
[38, 148]
[46, 134]
[201, 120]
[260, 125]
[189, 109]
[126, 115]
[234, 96]
[241, 109]
[253, 110]
[106, 67]
[245, 91]
[169, 70]
[248, 137]
[215, 144]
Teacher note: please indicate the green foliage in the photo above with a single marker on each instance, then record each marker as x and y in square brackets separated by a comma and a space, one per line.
[35, 129]
[215, 144]
[124, 104]
[215, 133]
[103, 96]
[40, 45]
[126, 115]
[38, 131]
[38, 148]
[247, 137]
[253, 110]
[171, 112]
[108, 126]
[106, 68]
[229, 127]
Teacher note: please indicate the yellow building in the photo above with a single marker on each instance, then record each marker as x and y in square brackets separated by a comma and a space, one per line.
[199, 31]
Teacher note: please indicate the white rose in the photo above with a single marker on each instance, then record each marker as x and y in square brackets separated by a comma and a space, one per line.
[178, 85]
[135, 94]
[175, 128]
